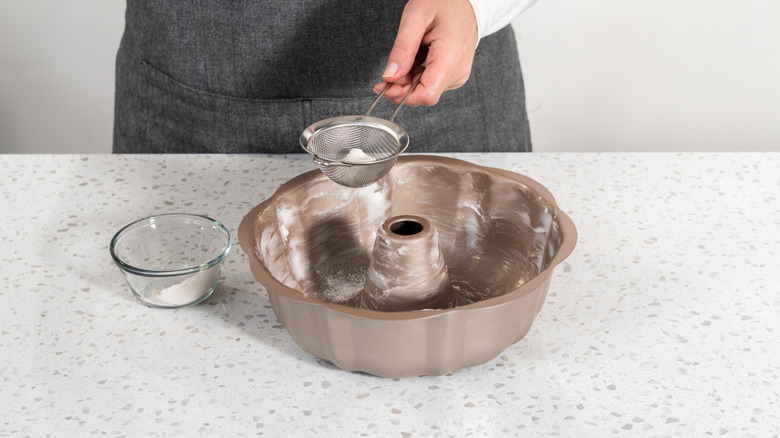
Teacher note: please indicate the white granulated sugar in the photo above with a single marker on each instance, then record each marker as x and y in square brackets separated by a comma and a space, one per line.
[356, 155]
[376, 201]
[298, 263]
[341, 287]
[187, 291]
[285, 217]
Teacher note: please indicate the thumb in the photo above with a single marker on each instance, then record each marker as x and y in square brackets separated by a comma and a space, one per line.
[407, 43]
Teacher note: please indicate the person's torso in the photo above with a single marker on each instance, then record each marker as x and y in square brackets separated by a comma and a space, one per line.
[260, 49]
[250, 75]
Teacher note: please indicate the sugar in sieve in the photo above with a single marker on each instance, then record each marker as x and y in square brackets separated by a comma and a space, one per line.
[355, 151]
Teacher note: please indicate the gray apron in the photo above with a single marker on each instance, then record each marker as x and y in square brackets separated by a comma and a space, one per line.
[249, 76]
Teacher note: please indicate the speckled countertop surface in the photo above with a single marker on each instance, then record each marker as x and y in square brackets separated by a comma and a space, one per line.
[663, 322]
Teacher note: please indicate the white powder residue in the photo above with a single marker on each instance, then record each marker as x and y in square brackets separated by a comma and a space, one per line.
[473, 207]
[189, 290]
[356, 155]
[305, 204]
[299, 264]
[285, 218]
[472, 224]
[403, 250]
[546, 221]
[376, 201]
[342, 287]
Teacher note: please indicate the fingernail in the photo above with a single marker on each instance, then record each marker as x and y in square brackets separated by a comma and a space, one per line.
[390, 70]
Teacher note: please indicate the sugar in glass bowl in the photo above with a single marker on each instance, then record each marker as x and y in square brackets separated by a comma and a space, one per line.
[172, 260]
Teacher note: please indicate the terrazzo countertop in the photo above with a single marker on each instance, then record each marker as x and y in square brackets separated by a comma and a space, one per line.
[663, 322]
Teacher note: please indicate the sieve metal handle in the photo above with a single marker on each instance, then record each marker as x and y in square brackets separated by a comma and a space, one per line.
[398, 108]
[414, 85]
[378, 98]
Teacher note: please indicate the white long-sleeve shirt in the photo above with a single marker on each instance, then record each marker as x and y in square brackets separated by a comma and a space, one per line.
[493, 15]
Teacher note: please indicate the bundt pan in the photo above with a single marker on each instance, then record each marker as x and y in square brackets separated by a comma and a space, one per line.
[356, 275]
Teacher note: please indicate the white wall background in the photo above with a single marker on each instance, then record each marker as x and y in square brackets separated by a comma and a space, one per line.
[652, 75]
[57, 74]
[601, 75]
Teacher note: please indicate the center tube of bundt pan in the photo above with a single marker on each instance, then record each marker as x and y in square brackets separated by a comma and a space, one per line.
[407, 269]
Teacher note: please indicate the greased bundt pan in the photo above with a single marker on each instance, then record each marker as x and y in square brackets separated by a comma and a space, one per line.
[355, 275]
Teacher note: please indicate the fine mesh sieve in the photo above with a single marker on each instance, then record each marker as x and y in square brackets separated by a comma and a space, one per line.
[356, 151]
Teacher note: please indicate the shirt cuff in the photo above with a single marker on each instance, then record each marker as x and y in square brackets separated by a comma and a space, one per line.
[493, 15]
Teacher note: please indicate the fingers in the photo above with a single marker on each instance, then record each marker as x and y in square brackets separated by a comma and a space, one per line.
[426, 93]
[411, 30]
[448, 66]
[443, 35]
[401, 92]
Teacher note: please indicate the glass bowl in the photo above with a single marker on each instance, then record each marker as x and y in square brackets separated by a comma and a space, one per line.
[171, 260]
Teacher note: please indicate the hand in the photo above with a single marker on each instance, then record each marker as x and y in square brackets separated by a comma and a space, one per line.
[441, 33]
